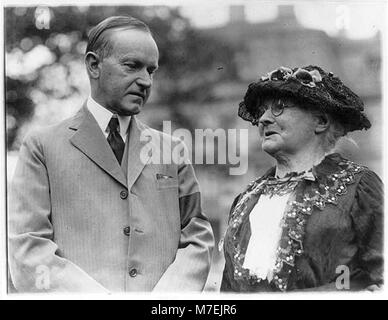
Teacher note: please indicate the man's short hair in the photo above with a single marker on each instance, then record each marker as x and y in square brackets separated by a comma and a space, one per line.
[100, 44]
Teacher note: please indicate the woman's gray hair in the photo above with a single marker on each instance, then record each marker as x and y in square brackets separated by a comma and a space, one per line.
[335, 131]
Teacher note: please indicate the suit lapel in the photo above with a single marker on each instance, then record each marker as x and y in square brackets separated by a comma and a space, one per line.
[136, 143]
[90, 140]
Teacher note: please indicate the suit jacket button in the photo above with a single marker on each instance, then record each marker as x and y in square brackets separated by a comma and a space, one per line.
[124, 194]
[127, 231]
[133, 273]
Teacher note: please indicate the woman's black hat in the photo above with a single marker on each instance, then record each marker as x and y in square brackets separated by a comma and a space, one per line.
[312, 87]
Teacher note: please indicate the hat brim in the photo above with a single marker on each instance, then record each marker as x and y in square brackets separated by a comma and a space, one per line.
[350, 116]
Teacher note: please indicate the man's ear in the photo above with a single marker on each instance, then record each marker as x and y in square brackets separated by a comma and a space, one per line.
[322, 123]
[92, 62]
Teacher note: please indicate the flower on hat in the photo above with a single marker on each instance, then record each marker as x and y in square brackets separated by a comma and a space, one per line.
[305, 77]
[283, 73]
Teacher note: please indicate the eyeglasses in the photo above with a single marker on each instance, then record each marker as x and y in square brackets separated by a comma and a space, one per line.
[277, 108]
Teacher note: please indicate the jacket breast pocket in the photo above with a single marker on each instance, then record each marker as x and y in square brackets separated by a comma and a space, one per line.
[166, 182]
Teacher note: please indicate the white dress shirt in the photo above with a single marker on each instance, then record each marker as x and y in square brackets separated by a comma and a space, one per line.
[266, 230]
[103, 116]
[266, 221]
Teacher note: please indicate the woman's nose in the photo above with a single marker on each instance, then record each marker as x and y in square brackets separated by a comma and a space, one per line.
[266, 118]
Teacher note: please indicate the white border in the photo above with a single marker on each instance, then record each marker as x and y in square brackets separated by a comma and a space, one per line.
[182, 296]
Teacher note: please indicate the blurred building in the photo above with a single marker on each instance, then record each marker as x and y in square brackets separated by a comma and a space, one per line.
[262, 47]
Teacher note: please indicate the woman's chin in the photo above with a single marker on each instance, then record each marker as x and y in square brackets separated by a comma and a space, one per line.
[270, 147]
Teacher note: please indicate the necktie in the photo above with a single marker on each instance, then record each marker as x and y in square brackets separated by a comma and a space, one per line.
[114, 138]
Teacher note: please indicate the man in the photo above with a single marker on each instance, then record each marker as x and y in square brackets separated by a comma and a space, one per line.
[87, 212]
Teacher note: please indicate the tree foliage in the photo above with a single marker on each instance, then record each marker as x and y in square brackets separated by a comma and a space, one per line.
[191, 61]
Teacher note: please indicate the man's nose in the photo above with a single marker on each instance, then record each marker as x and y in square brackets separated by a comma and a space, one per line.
[144, 79]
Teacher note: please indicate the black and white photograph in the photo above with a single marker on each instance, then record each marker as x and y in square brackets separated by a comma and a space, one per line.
[193, 150]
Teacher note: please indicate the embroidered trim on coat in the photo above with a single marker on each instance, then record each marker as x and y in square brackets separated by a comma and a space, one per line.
[294, 221]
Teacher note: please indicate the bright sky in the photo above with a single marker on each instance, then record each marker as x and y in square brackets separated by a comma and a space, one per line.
[359, 18]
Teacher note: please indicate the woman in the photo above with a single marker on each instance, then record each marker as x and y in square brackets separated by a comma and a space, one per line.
[314, 221]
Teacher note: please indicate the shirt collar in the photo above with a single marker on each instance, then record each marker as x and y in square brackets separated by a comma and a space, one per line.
[103, 116]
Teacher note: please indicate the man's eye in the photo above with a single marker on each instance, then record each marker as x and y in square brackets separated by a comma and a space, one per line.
[130, 65]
